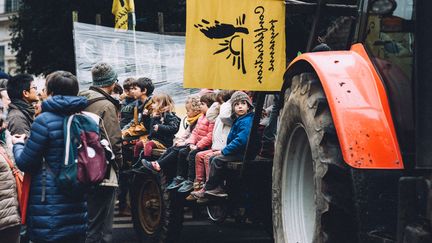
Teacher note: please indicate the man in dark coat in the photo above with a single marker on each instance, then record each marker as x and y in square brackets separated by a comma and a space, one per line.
[101, 200]
[22, 93]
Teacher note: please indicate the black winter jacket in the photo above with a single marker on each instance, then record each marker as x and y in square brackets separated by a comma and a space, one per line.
[127, 111]
[168, 125]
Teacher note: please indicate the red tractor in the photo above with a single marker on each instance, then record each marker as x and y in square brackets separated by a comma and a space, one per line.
[353, 153]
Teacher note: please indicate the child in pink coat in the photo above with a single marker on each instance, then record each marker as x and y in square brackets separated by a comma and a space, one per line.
[220, 112]
[200, 139]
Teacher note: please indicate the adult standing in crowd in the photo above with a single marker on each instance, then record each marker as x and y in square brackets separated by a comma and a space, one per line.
[52, 216]
[22, 93]
[101, 199]
[9, 216]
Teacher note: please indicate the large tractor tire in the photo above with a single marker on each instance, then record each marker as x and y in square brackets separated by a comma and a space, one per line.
[157, 214]
[311, 188]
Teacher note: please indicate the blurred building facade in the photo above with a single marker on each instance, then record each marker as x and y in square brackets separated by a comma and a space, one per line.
[7, 59]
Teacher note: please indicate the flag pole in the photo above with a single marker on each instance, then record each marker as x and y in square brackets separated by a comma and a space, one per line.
[135, 43]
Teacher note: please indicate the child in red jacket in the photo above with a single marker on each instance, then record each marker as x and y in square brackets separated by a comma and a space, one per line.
[200, 139]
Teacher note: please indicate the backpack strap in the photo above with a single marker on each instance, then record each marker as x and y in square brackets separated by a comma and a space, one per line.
[45, 166]
[11, 164]
[92, 101]
[107, 145]
[13, 168]
[68, 134]
[107, 96]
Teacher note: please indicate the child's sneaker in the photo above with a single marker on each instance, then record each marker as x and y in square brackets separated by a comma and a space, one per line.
[190, 198]
[186, 186]
[198, 186]
[217, 192]
[175, 183]
[198, 194]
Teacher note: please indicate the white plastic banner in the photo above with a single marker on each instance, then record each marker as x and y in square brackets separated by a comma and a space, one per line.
[159, 57]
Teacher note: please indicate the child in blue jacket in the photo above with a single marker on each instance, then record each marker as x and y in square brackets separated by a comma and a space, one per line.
[236, 143]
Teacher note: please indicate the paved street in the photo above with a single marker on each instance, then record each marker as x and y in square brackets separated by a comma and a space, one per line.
[196, 231]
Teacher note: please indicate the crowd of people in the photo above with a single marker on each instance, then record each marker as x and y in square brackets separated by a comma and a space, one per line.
[217, 128]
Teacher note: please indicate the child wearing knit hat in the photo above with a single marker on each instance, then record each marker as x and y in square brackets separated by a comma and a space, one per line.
[236, 143]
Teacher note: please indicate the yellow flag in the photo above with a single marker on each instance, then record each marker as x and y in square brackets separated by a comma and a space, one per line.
[120, 9]
[235, 44]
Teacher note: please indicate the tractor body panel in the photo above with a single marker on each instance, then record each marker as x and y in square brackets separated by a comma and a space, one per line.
[360, 108]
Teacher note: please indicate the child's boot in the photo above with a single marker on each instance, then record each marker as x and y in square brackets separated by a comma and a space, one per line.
[197, 186]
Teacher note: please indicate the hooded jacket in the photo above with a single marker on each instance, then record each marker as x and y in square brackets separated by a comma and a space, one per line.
[213, 112]
[107, 108]
[239, 134]
[127, 111]
[59, 216]
[222, 127]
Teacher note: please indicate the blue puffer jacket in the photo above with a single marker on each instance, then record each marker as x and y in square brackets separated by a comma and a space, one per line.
[58, 217]
[238, 135]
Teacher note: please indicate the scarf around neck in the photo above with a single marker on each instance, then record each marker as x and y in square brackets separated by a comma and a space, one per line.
[192, 120]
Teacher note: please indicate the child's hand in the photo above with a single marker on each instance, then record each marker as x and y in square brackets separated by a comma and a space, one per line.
[192, 146]
[178, 144]
[155, 128]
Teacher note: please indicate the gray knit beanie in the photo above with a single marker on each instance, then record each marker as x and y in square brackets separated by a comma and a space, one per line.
[239, 96]
[103, 75]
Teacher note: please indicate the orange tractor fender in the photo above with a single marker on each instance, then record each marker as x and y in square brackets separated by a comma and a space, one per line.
[358, 104]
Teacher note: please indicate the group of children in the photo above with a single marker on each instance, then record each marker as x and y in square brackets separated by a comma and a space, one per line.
[218, 126]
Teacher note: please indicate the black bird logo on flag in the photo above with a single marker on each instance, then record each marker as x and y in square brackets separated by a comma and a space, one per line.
[232, 39]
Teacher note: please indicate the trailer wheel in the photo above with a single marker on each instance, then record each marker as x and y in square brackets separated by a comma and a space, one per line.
[311, 187]
[157, 214]
[217, 212]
